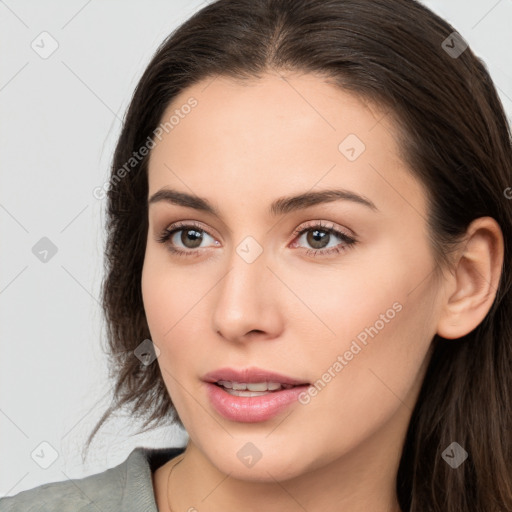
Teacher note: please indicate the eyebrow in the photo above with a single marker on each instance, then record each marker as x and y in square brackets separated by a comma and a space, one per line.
[280, 206]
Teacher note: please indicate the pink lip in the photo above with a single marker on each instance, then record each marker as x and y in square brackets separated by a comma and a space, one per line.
[252, 374]
[251, 409]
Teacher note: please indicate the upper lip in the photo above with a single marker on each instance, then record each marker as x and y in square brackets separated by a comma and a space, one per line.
[252, 374]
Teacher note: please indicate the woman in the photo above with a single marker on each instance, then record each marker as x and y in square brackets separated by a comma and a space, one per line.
[308, 237]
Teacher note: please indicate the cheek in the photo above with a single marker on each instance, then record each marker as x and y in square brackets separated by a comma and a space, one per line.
[158, 304]
[166, 293]
[355, 398]
[377, 313]
[164, 306]
[373, 367]
[170, 298]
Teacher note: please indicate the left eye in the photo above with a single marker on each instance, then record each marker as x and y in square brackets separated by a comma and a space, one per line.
[318, 237]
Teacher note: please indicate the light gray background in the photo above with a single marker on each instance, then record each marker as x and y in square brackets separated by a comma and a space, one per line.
[59, 119]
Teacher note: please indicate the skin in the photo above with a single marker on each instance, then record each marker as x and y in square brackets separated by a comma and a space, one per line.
[242, 147]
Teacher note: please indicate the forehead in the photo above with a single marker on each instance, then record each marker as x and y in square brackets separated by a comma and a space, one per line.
[282, 133]
[292, 106]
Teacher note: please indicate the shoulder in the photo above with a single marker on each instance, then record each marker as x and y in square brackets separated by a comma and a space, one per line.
[101, 491]
[125, 487]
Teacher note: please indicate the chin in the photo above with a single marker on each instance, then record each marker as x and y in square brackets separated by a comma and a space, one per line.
[266, 469]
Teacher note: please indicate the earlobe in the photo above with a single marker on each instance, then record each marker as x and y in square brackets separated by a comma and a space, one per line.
[475, 280]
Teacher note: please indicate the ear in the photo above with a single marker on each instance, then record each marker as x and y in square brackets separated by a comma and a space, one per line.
[472, 287]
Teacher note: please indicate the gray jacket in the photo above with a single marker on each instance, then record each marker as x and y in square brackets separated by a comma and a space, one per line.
[127, 487]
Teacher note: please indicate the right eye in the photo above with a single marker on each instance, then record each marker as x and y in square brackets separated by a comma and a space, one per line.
[191, 237]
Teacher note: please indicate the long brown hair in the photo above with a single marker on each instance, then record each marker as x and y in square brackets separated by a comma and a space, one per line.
[455, 138]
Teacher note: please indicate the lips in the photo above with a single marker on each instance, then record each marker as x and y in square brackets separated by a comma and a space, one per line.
[251, 375]
[230, 394]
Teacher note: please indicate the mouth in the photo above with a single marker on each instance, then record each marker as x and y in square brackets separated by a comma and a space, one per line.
[248, 405]
[251, 394]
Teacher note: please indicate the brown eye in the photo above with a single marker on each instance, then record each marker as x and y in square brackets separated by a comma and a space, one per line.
[191, 238]
[318, 238]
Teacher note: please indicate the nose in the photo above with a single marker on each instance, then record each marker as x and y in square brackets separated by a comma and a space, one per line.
[247, 301]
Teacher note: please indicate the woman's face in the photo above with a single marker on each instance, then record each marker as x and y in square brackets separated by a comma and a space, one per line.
[354, 320]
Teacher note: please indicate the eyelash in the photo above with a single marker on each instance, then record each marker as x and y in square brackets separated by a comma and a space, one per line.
[349, 241]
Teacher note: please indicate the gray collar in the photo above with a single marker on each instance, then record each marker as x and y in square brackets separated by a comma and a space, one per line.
[138, 491]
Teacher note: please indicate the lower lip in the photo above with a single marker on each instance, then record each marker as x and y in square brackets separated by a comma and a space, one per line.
[250, 409]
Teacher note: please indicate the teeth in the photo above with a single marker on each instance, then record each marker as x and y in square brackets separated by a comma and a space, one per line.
[262, 386]
[236, 392]
[253, 386]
